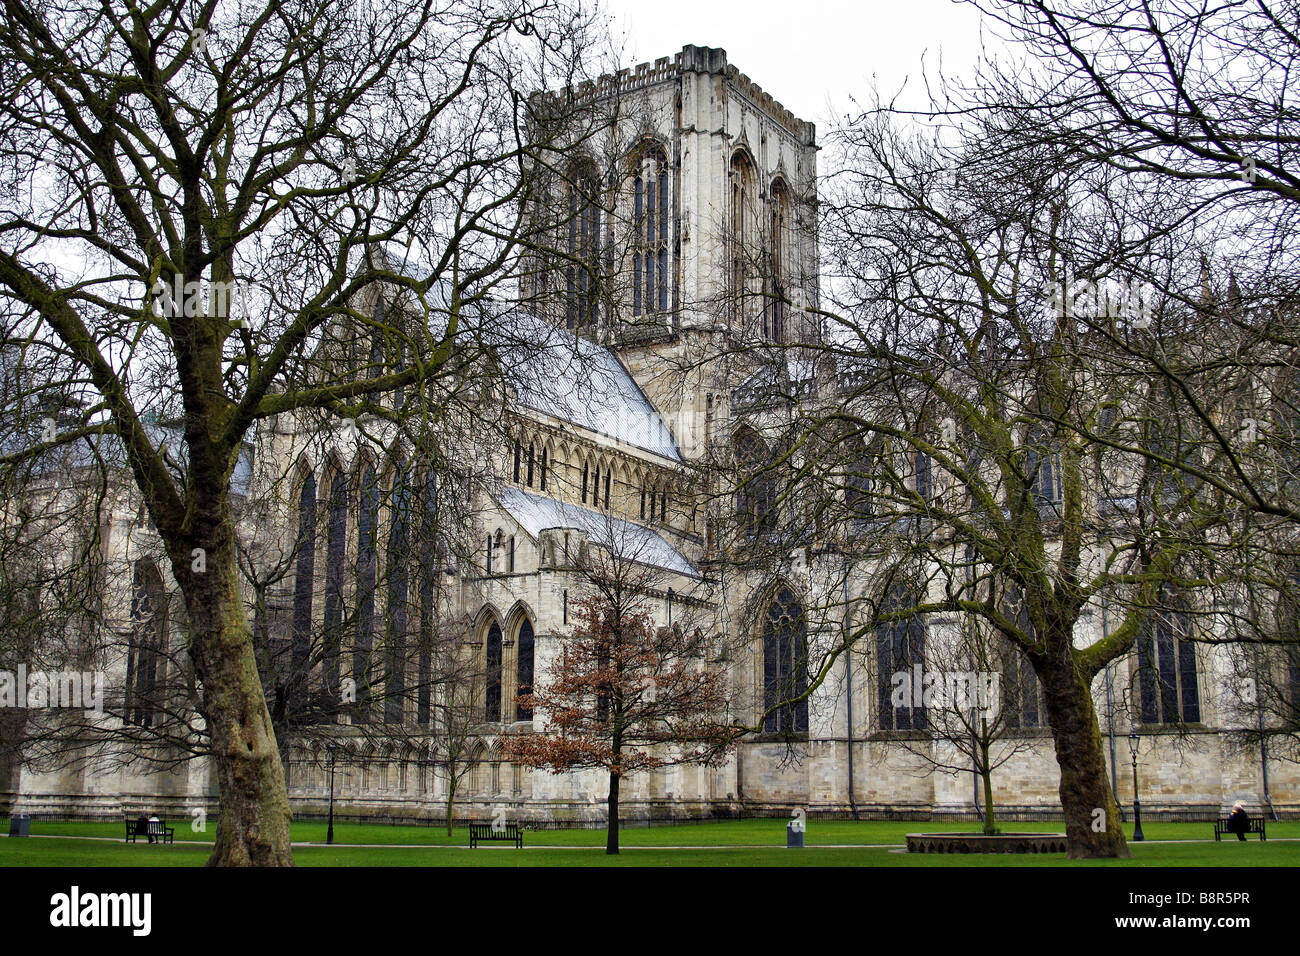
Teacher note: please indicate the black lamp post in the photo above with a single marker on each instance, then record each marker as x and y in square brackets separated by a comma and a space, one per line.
[1133, 741]
[332, 748]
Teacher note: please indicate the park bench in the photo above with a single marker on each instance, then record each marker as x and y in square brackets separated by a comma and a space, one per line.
[154, 828]
[1253, 825]
[487, 833]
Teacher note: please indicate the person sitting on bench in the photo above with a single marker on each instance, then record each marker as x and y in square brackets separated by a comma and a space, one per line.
[1239, 821]
[142, 827]
[155, 830]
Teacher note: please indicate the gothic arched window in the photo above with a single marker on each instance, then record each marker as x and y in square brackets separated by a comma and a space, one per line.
[1021, 691]
[1167, 688]
[785, 665]
[148, 642]
[859, 490]
[584, 482]
[652, 199]
[744, 209]
[1167, 484]
[1043, 471]
[756, 494]
[367, 574]
[398, 574]
[492, 694]
[581, 271]
[430, 564]
[336, 543]
[924, 476]
[524, 653]
[304, 583]
[775, 314]
[900, 648]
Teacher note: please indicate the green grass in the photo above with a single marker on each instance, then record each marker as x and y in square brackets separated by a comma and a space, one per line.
[731, 843]
[754, 832]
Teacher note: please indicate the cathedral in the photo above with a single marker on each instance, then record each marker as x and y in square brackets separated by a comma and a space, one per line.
[621, 407]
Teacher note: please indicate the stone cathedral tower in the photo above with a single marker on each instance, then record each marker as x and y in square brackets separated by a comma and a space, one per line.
[702, 188]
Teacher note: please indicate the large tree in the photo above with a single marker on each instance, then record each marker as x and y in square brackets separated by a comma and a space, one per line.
[190, 193]
[962, 434]
[1191, 108]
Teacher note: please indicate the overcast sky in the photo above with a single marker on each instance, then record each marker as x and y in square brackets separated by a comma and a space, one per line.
[811, 55]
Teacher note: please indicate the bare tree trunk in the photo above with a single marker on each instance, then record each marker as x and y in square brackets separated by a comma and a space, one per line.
[1085, 786]
[451, 801]
[611, 832]
[990, 825]
[253, 826]
[986, 772]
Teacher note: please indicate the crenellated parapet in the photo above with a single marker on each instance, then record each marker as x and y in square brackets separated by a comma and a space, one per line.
[697, 59]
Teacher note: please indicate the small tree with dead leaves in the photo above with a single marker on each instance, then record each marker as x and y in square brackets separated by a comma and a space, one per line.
[624, 695]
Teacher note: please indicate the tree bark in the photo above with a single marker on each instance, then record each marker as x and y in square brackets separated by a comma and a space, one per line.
[253, 825]
[990, 824]
[611, 832]
[1085, 785]
[451, 800]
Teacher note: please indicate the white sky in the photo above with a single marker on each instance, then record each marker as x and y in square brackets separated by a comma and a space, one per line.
[811, 55]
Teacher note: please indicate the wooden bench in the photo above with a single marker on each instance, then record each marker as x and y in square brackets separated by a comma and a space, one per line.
[1253, 825]
[487, 833]
[156, 828]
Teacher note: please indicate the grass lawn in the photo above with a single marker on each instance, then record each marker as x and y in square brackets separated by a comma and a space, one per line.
[731, 843]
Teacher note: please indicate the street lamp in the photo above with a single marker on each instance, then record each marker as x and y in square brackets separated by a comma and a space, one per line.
[1133, 741]
[332, 748]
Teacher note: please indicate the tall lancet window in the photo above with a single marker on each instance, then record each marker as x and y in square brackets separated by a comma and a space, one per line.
[651, 207]
[775, 315]
[147, 645]
[430, 559]
[524, 653]
[582, 261]
[336, 544]
[1167, 681]
[785, 666]
[367, 575]
[492, 695]
[744, 209]
[900, 662]
[398, 569]
[303, 588]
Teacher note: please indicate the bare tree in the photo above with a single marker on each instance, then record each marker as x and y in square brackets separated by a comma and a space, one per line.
[218, 176]
[959, 435]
